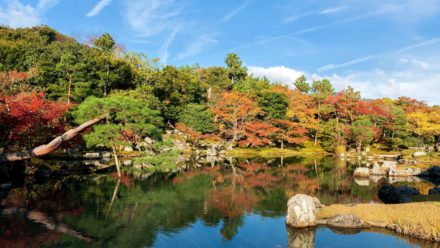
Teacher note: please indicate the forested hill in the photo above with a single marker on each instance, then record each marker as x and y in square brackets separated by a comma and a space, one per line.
[46, 77]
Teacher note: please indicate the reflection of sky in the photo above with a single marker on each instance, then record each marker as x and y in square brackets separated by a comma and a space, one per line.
[258, 231]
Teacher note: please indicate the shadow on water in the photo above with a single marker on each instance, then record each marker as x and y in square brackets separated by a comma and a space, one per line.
[238, 202]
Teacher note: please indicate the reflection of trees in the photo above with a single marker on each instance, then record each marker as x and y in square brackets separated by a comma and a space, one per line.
[218, 195]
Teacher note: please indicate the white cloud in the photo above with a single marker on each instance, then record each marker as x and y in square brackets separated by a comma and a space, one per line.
[163, 51]
[332, 10]
[16, 14]
[293, 18]
[98, 8]
[411, 82]
[378, 83]
[235, 12]
[151, 17]
[198, 45]
[277, 74]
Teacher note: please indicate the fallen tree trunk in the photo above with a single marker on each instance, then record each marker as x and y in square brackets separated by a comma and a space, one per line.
[51, 146]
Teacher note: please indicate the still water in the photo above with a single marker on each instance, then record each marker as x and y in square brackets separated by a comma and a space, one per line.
[236, 203]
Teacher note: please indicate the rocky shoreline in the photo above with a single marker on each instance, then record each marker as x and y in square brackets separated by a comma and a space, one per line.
[305, 212]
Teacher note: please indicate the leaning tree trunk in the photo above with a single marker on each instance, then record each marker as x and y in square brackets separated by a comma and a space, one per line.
[51, 146]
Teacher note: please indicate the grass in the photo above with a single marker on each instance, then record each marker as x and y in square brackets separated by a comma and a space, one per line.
[308, 149]
[420, 220]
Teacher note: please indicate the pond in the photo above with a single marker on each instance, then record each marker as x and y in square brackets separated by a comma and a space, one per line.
[235, 203]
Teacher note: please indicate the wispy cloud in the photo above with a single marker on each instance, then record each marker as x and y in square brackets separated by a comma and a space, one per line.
[235, 12]
[98, 8]
[375, 56]
[151, 17]
[332, 10]
[198, 45]
[277, 74]
[293, 18]
[17, 14]
[163, 51]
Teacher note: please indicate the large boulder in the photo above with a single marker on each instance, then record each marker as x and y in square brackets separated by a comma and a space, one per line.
[404, 172]
[361, 172]
[391, 195]
[346, 221]
[301, 210]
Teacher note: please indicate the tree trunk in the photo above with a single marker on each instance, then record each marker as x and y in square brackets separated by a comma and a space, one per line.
[118, 168]
[51, 146]
[69, 89]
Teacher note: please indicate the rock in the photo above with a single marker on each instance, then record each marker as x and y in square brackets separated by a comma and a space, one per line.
[389, 164]
[301, 238]
[301, 210]
[127, 162]
[399, 172]
[411, 179]
[379, 171]
[346, 221]
[377, 179]
[361, 172]
[362, 182]
[432, 172]
[92, 155]
[419, 154]
[106, 154]
[148, 140]
[128, 149]
[390, 194]
[434, 191]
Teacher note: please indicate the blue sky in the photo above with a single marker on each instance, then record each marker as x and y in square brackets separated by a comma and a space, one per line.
[385, 48]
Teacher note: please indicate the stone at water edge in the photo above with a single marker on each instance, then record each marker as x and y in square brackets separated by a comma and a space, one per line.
[301, 210]
[361, 172]
[398, 172]
[419, 154]
[434, 191]
[346, 221]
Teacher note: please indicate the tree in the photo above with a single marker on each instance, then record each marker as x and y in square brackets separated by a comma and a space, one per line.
[198, 117]
[69, 67]
[29, 118]
[302, 85]
[426, 124]
[236, 72]
[105, 42]
[273, 104]
[127, 122]
[321, 89]
[232, 111]
[362, 132]
[289, 132]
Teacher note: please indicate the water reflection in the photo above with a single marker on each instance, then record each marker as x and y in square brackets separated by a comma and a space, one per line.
[238, 199]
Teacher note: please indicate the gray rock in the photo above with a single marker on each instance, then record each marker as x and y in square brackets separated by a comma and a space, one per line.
[362, 181]
[92, 155]
[128, 149]
[389, 164]
[419, 154]
[106, 154]
[301, 210]
[398, 172]
[346, 221]
[361, 172]
[379, 171]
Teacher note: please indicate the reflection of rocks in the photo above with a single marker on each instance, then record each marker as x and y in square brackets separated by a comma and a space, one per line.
[411, 179]
[362, 172]
[346, 221]
[432, 172]
[404, 172]
[434, 191]
[391, 194]
[362, 182]
[345, 231]
[300, 238]
[377, 179]
[301, 210]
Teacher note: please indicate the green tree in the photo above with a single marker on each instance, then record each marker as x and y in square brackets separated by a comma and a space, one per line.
[198, 117]
[105, 42]
[127, 122]
[69, 67]
[236, 72]
[302, 85]
[362, 131]
[273, 104]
